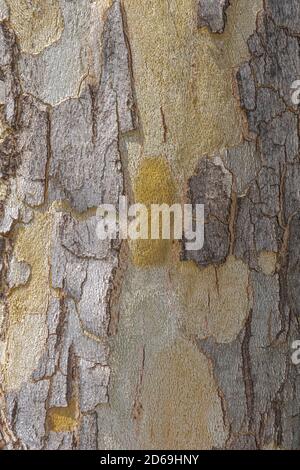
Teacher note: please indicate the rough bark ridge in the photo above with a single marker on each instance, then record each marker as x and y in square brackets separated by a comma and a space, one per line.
[263, 407]
[181, 349]
[72, 375]
[211, 13]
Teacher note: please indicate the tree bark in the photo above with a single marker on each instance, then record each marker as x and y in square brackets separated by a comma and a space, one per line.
[144, 344]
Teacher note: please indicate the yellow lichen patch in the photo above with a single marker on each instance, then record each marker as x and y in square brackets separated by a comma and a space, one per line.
[147, 253]
[267, 262]
[32, 246]
[38, 24]
[153, 185]
[63, 419]
[184, 78]
[180, 401]
[216, 300]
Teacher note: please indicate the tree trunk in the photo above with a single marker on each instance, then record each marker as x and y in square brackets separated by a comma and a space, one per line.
[144, 344]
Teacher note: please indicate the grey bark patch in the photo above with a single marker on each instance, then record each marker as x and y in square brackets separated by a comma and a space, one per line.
[9, 55]
[244, 163]
[256, 227]
[57, 71]
[84, 144]
[285, 13]
[291, 202]
[18, 274]
[211, 185]
[85, 131]
[263, 410]
[212, 13]
[251, 370]
[70, 341]
[32, 140]
[268, 106]
[117, 67]
[246, 83]
[89, 432]
[80, 238]
[4, 11]
[59, 441]
[278, 141]
[26, 410]
[94, 381]
[259, 384]
[274, 73]
[71, 152]
[8, 74]
[228, 370]
[83, 277]
[293, 264]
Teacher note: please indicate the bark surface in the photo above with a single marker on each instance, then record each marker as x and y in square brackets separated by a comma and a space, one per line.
[109, 345]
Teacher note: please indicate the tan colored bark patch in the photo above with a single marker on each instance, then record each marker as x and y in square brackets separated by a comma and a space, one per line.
[37, 24]
[63, 419]
[183, 78]
[216, 300]
[26, 341]
[180, 401]
[267, 262]
[33, 247]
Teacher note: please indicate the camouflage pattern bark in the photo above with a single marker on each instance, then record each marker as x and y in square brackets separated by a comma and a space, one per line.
[114, 345]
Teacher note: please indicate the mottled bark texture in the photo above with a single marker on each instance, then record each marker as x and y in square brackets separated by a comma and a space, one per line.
[66, 153]
[212, 13]
[125, 345]
[264, 405]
